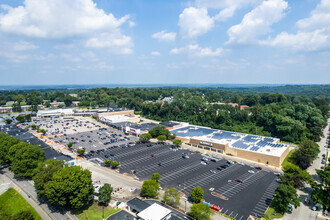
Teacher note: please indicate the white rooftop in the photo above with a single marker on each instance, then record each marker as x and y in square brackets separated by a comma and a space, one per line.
[154, 212]
[115, 118]
[247, 142]
[55, 111]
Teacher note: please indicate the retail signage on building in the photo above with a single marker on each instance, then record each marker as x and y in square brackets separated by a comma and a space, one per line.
[206, 143]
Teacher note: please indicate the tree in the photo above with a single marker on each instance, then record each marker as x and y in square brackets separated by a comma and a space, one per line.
[26, 159]
[107, 162]
[177, 142]
[81, 151]
[197, 194]
[68, 100]
[161, 138]
[321, 191]
[20, 119]
[150, 188]
[114, 164]
[43, 131]
[71, 187]
[295, 176]
[172, 197]
[307, 150]
[200, 211]
[44, 173]
[6, 142]
[145, 137]
[159, 130]
[155, 176]
[303, 162]
[105, 194]
[8, 121]
[70, 145]
[34, 127]
[284, 196]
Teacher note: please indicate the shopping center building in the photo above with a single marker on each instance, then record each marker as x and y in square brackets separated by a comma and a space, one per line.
[266, 150]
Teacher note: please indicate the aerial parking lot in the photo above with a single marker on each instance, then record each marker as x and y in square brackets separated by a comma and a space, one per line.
[238, 189]
[83, 133]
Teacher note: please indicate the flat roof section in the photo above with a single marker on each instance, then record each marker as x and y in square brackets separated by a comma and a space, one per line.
[122, 215]
[252, 143]
[154, 212]
[137, 204]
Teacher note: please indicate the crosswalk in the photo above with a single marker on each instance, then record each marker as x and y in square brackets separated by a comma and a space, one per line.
[17, 189]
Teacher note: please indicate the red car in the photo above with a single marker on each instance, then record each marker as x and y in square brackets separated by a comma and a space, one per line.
[239, 181]
[152, 155]
[258, 168]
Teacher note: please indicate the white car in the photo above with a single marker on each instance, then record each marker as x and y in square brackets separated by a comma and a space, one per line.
[251, 171]
[132, 189]
[203, 163]
[241, 163]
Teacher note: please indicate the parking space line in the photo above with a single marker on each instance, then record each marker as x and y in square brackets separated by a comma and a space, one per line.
[205, 179]
[144, 159]
[263, 203]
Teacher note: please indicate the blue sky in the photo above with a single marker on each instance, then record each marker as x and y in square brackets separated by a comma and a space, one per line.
[158, 41]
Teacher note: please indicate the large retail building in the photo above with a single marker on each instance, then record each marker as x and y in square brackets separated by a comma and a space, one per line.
[260, 149]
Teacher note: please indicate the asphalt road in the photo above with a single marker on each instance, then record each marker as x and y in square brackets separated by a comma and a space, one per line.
[305, 211]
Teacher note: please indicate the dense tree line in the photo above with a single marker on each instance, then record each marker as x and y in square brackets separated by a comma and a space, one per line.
[292, 117]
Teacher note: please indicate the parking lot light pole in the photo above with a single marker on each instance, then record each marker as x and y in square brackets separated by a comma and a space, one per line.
[185, 201]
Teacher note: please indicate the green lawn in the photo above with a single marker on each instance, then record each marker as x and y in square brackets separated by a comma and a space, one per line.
[95, 212]
[12, 203]
[270, 214]
[287, 159]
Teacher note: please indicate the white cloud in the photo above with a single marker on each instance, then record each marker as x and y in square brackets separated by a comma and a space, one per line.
[65, 19]
[47, 19]
[313, 32]
[194, 22]
[131, 24]
[320, 17]
[257, 22]
[121, 43]
[228, 7]
[24, 45]
[164, 36]
[308, 41]
[196, 50]
[155, 53]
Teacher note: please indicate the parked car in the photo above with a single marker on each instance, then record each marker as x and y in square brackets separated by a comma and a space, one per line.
[239, 181]
[219, 168]
[213, 171]
[251, 171]
[258, 168]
